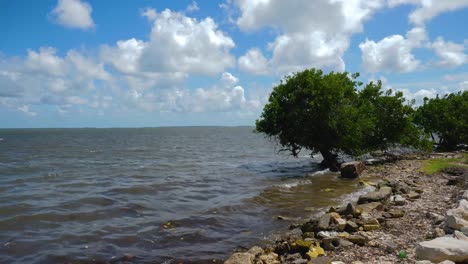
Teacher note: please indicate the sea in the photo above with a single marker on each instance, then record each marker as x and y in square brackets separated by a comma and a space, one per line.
[152, 195]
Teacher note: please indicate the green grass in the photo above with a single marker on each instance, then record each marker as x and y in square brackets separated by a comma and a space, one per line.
[436, 165]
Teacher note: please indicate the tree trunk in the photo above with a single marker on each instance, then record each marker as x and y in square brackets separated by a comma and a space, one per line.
[329, 160]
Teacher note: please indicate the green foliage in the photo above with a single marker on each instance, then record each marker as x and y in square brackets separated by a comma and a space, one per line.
[445, 118]
[326, 113]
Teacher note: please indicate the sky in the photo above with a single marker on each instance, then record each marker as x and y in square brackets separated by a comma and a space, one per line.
[77, 63]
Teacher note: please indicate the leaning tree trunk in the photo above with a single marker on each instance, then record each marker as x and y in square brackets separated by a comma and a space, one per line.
[330, 160]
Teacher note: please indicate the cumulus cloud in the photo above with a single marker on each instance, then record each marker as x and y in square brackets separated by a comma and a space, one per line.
[184, 44]
[310, 33]
[43, 77]
[393, 53]
[253, 62]
[450, 54]
[73, 14]
[426, 10]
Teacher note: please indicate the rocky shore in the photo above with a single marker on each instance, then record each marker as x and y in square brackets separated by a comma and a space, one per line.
[411, 217]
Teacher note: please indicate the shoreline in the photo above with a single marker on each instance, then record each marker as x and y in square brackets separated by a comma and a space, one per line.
[382, 228]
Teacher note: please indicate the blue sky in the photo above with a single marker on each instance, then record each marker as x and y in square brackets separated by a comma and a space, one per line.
[76, 63]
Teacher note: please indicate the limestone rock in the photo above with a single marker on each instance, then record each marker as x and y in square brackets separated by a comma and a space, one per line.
[324, 221]
[321, 260]
[443, 248]
[352, 170]
[369, 207]
[413, 195]
[398, 200]
[240, 258]
[357, 239]
[371, 227]
[458, 218]
[381, 195]
[256, 250]
[351, 226]
[270, 258]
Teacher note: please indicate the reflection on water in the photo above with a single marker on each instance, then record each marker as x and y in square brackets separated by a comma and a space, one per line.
[84, 194]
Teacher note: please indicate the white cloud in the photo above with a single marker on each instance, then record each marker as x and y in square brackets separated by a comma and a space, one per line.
[192, 7]
[310, 33]
[182, 44]
[45, 61]
[126, 56]
[393, 53]
[25, 109]
[428, 9]
[253, 62]
[86, 67]
[73, 14]
[450, 54]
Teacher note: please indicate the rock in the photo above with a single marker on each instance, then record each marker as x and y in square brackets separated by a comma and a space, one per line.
[255, 251]
[447, 262]
[443, 248]
[424, 262]
[369, 207]
[350, 209]
[438, 232]
[390, 246]
[413, 195]
[338, 262]
[396, 213]
[357, 262]
[240, 258]
[458, 218]
[459, 235]
[294, 256]
[310, 226]
[331, 243]
[357, 239]
[341, 224]
[351, 226]
[300, 261]
[321, 260]
[351, 170]
[381, 195]
[315, 251]
[418, 190]
[398, 200]
[308, 235]
[301, 246]
[436, 218]
[324, 234]
[324, 221]
[371, 227]
[270, 258]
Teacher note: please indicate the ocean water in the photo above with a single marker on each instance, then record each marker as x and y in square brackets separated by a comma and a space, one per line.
[158, 194]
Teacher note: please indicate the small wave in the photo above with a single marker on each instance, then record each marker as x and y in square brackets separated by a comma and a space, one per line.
[290, 185]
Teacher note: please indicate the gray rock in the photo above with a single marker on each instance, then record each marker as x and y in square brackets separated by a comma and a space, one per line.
[320, 260]
[398, 200]
[369, 207]
[443, 248]
[338, 262]
[352, 169]
[458, 218]
[351, 226]
[357, 239]
[324, 221]
[381, 195]
[255, 251]
[439, 232]
[390, 246]
[350, 209]
[331, 243]
[240, 258]
[413, 195]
